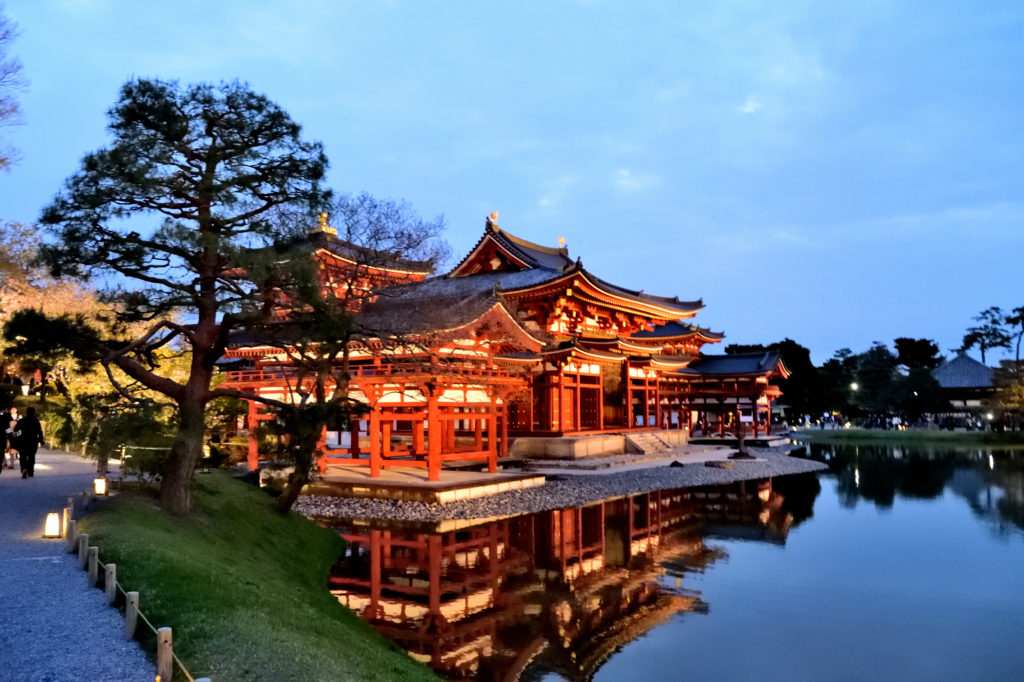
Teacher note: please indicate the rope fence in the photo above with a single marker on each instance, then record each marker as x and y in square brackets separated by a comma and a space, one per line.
[117, 596]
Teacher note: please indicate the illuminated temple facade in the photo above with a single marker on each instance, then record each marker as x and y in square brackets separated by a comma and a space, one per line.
[519, 350]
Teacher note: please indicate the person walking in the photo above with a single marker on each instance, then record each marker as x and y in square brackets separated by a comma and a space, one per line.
[7, 437]
[28, 436]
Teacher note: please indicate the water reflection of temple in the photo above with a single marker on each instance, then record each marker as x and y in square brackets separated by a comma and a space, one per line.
[566, 587]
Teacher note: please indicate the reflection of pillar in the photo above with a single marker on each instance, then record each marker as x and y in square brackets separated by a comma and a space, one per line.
[375, 569]
[433, 440]
[434, 598]
[253, 456]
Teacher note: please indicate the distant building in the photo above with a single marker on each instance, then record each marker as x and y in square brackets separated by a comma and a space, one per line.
[965, 383]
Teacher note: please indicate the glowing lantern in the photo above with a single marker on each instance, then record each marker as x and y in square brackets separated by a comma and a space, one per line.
[52, 527]
[99, 486]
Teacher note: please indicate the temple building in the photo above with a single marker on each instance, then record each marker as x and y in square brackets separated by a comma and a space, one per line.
[519, 350]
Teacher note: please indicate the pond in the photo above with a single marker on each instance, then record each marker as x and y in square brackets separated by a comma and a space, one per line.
[896, 563]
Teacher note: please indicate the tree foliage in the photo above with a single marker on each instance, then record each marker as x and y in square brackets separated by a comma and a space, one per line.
[11, 83]
[178, 209]
[317, 332]
[989, 334]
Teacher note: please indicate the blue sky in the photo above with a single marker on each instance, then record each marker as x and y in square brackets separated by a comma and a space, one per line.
[835, 172]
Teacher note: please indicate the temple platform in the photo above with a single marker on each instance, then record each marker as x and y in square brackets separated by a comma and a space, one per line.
[731, 441]
[411, 485]
[597, 445]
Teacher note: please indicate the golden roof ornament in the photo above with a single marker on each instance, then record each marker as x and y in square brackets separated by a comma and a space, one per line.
[492, 218]
[324, 227]
[561, 242]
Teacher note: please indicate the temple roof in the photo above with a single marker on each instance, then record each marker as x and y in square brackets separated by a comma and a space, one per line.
[674, 330]
[528, 254]
[736, 365]
[362, 255]
[963, 371]
[525, 264]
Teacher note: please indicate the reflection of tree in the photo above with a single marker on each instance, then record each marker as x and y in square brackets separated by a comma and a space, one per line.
[880, 473]
[798, 495]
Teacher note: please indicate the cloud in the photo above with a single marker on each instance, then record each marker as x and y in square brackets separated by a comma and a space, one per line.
[629, 181]
[555, 190]
[749, 107]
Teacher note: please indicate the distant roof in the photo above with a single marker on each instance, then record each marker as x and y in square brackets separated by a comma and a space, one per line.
[677, 329]
[963, 371]
[742, 363]
[363, 255]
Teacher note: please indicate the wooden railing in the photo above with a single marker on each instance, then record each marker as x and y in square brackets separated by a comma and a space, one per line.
[89, 560]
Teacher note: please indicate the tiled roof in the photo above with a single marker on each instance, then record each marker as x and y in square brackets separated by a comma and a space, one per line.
[674, 329]
[963, 371]
[363, 255]
[744, 363]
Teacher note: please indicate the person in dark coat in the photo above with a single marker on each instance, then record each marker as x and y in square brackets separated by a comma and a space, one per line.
[28, 433]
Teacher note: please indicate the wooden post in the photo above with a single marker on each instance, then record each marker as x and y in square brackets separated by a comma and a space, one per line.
[110, 583]
[253, 454]
[93, 561]
[492, 436]
[504, 429]
[72, 536]
[164, 654]
[374, 432]
[65, 519]
[83, 549]
[433, 440]
[131, 613]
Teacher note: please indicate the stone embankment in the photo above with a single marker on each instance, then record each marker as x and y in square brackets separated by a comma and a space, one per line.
[566, 489]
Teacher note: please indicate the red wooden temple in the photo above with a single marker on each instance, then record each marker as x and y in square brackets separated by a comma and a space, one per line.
[517, 342]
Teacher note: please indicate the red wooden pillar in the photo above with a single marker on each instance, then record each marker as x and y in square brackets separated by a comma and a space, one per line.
[374, 433]
[504, 430]
[417, 437]
[253, 455]
[433, 440]
[321, 453]
[492, 436]
[354, 438]
[478, 425]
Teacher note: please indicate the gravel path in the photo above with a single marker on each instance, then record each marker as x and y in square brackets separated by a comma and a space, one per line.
[567, 489]
[53, 626]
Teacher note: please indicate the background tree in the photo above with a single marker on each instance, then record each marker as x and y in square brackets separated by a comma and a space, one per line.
[11, 83]
[875, 377]
[835, 377]
[177, 209]
[991, 333]
[798, 390]
[917, 353]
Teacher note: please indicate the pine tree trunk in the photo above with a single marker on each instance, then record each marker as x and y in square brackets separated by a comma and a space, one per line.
[176, 481]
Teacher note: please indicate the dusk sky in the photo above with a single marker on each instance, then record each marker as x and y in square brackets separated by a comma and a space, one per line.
[835, 172]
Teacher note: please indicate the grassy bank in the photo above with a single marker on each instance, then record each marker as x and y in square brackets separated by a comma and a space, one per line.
[1012, 439]
[243, 587]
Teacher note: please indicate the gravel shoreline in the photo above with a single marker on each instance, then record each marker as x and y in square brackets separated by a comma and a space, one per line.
[564, 489]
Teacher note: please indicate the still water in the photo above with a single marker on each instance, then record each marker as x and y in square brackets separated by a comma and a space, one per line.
[897, 563]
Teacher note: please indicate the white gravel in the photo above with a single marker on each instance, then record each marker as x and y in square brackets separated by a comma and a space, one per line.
[53, 626]
[564, 489]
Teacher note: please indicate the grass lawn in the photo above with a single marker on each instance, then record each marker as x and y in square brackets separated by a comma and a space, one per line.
[243, 587]
[1011, 439]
